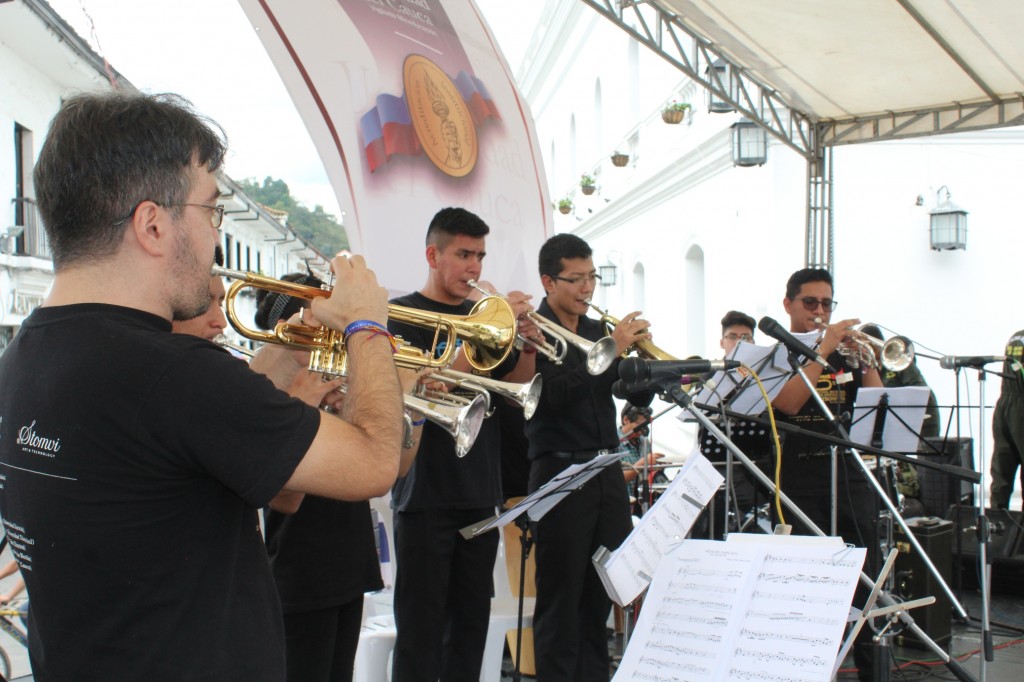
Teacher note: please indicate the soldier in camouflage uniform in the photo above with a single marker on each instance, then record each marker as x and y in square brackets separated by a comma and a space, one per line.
[1008, 425]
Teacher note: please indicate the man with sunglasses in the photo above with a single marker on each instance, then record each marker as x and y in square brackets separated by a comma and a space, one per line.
[806, 461]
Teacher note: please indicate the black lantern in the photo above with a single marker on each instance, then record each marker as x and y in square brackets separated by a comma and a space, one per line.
[716, 104]
[607, 275]
[948, 224]
[749, 144]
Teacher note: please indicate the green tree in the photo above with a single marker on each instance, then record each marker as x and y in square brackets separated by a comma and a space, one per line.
[319, 228]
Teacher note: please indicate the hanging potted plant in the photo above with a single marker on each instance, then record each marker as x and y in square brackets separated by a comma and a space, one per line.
[675, 112]
[587, 185]
[619, 159]
[565, 205]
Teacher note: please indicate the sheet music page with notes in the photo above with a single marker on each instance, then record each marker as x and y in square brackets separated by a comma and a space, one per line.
[629, 568]
[771, 610]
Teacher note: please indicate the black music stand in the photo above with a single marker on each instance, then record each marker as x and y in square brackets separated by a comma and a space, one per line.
[531, 509]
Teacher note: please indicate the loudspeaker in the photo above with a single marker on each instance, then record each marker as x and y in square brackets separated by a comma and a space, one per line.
[1004, 531]
[940, 490]
[914, 580]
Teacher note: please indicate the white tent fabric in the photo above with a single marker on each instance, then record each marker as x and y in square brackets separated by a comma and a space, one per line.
[846, 61]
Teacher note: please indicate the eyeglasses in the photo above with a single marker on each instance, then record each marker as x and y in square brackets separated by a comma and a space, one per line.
[576, 281]
[811, 303]
[216, 213]
[733, 336]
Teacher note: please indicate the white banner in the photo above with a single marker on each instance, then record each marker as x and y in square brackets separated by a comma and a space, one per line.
[413, 108]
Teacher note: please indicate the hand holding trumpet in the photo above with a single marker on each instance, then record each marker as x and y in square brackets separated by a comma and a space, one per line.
[356, 296]
[629, 330]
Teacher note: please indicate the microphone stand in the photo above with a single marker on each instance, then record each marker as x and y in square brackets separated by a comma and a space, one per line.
[681, 398]
[983, 532]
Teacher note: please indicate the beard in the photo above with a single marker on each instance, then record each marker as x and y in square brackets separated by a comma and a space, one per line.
[192, 295]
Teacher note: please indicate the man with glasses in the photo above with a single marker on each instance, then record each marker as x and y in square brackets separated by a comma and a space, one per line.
[134, 461]
[736, 327]
[575, 422]
[806, 461]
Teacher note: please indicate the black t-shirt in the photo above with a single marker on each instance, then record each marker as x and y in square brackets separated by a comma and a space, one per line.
[438, 479]
[132, 465]
[576, 411]
[324, 555]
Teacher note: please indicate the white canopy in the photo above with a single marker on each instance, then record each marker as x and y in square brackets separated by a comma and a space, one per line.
[870, 69]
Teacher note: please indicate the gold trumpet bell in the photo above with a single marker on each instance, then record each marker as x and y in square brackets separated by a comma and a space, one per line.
[490, 329]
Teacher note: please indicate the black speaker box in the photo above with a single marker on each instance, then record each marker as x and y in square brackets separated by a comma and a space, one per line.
[1004, 531]
[914, 580]
[940, 490]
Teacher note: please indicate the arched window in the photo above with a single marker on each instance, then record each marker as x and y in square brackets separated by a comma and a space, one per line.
[695, 297]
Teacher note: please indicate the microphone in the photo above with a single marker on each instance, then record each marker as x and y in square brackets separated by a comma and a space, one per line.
[637, 370]
[625, 390]
[954, 361]
[795, 345]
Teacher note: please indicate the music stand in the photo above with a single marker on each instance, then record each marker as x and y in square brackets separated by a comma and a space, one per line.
[683, 400]
[889, 418]
[532, 508]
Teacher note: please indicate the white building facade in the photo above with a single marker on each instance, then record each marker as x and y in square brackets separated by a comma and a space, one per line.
[692, 236]
[42, 61]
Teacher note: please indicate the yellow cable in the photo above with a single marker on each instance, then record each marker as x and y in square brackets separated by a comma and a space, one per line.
[775, 439]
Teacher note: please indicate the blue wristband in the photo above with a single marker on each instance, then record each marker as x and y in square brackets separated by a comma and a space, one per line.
[363, 325]
[420, 422]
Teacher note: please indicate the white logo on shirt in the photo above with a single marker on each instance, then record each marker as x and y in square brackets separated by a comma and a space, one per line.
[27, 436]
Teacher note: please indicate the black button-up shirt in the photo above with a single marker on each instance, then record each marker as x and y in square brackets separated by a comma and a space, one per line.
[576, 410]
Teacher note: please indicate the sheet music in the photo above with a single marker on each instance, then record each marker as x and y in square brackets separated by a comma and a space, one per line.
[627, 571]
[909, 402]
[744, 611]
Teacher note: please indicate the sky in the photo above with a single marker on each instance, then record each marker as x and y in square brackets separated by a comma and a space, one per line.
[207, 51]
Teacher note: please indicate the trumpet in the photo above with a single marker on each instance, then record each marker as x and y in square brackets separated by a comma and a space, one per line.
[460, 417]
[224, 342]
[554, 351]
[487, 332]
[895, 354]
[644, 348]
[600, 354]
[526, 395]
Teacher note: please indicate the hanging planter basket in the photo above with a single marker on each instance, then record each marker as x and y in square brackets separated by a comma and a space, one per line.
[620, 160]
[564, 209]
[587, 189]
[673, 116]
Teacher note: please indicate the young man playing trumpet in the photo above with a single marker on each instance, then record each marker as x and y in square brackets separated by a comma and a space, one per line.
[443, 582]
[575, 421]
[130, 487]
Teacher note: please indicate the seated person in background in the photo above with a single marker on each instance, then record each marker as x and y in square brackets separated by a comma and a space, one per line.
[635, 444]
[736, 327]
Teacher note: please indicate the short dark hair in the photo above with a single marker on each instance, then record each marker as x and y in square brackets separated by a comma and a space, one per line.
[735, 318]
[635, 412]
[561, 246]
[802, 277]
[452, 221]
[872, 330]
[272, 307]
[104, 154]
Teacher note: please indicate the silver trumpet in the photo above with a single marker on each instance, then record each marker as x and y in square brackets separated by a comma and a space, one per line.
[526, 395]
[224, 342]
[894, 354]
[600, 354]
[461, 417]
